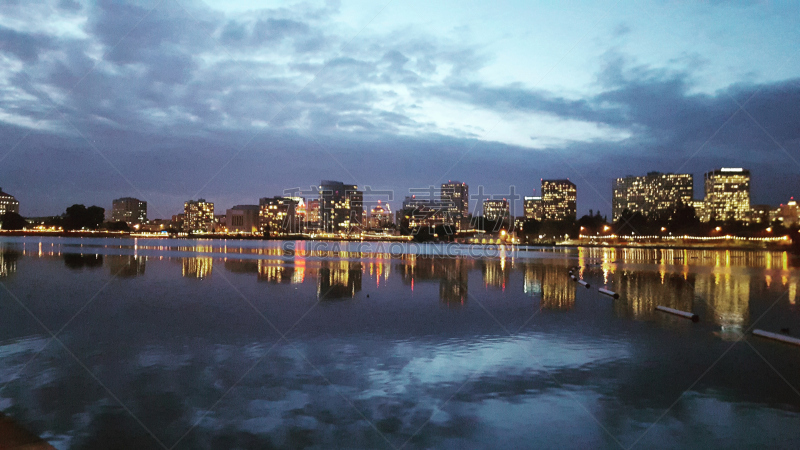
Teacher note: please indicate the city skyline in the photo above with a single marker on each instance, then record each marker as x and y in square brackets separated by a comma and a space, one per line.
[167, 101]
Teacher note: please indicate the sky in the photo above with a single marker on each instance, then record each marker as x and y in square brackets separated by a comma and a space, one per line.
[172, 100]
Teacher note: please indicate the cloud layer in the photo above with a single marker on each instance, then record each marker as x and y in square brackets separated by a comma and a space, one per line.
[170, 100]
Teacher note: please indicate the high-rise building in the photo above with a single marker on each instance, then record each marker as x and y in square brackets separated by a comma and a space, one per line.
[198, 215]
[651, 194]
[455, 203]
[242, 219]
[380, 217]
[8, 203]
[496, 209]
[341, 206]
[727, 194]
[281, 214]
[559, 200]
[129, 210]
[533, 208]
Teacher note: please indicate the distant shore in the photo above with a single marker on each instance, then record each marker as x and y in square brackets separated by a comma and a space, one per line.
[673, 245]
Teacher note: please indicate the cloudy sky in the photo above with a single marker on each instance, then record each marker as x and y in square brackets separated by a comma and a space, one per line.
[170, 100]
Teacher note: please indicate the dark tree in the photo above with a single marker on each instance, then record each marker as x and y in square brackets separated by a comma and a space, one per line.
[80, 217]
[118, 226]
[13, 221]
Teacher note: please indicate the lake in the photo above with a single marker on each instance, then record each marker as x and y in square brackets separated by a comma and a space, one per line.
[217, 344]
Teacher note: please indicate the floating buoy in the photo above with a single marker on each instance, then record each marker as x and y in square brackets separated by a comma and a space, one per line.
[677, 312]
[608, 293]
[777, 337]
[584, 284]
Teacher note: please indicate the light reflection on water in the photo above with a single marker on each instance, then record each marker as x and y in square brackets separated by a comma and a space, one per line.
[382, 349]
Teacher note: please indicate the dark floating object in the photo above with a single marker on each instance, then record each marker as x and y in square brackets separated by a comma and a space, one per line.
[367, 295]
[677, 312]
[584, 284]
[608, 293]
[777, 337]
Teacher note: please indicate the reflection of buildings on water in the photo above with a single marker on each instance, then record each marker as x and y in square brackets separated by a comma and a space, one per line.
[126, 266]
[451, 273]
[728, 296]
[552, 282]
[80, 260]
[644, 290]
[278, 272]
[495, 273]
[380, 270]
[241, 265]
[8, 263]
[197, 266]
[340, 279]
[453, 281]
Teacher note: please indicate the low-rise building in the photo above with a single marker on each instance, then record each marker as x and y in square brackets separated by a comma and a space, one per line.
[243, 219]
[8, 203]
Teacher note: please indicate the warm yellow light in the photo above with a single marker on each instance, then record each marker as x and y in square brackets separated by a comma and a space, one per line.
[503, 233]
[718, 228]
[769, 229]
[663, 228]
[606, 228]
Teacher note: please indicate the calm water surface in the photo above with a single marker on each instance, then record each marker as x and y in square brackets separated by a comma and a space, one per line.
[240, 344]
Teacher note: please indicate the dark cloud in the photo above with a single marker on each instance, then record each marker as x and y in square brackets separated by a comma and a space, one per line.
[175, 93]
[25, 46]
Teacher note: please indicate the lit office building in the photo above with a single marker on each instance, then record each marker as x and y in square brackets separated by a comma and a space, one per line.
[788, 214]
[533, 208]
[341, 206]
[312, 215]
[198, 215]
[129, 210]
[420, 212]
[455, 203]
[8, 203]
[242, 219]
[651, 194]
[559, 200]
[496, 209]
[762, 213]
[699, 209]
[281, 214]
[727, 194]
[380, 216]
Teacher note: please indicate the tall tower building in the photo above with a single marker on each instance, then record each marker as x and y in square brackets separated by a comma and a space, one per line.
[559, 200]
[129, 210]
[341, 206]
[727, 194]
[455, 203]
[651, 194]
[198, 215]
